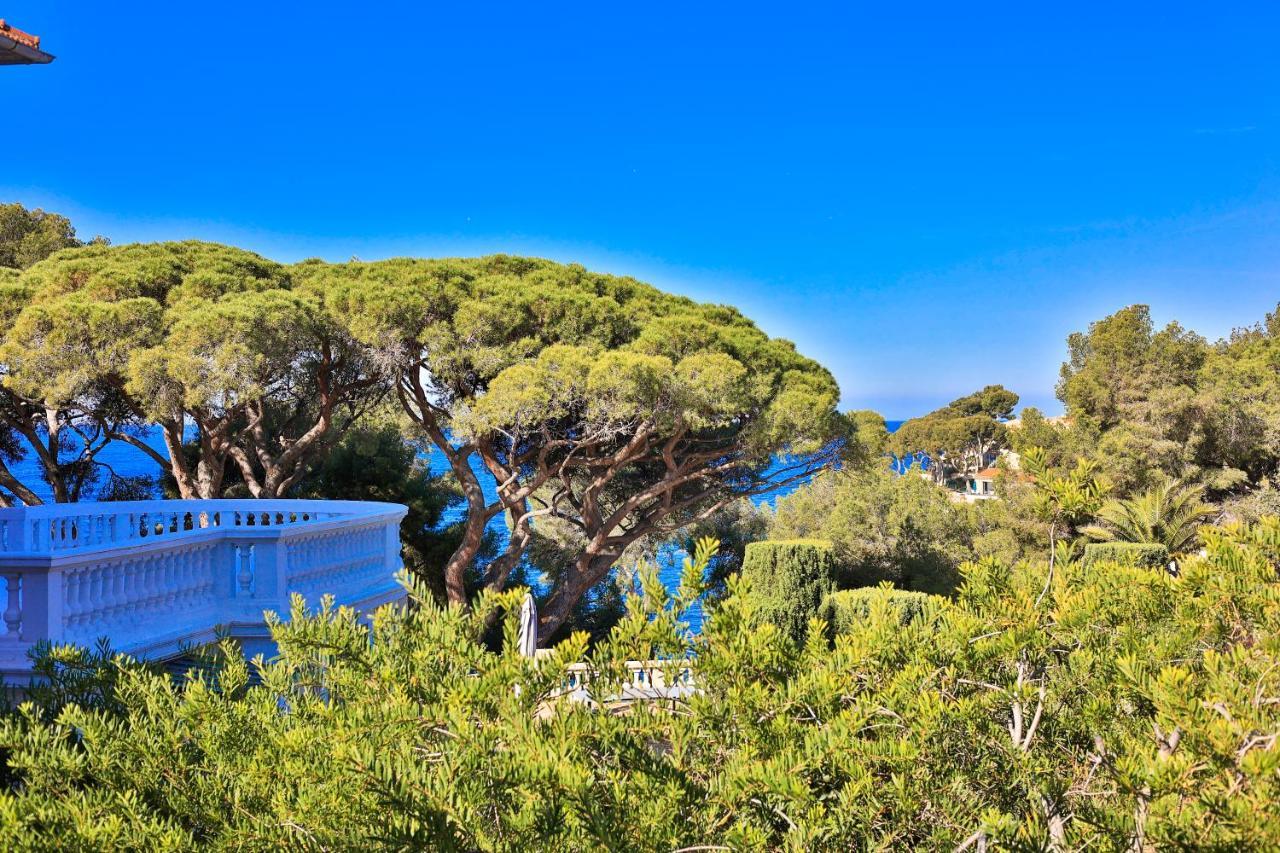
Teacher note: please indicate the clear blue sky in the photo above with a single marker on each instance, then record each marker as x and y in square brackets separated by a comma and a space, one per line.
[926, 200]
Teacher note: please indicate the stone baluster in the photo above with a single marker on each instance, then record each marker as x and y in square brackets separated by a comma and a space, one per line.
[70, 603]
[111, 596]
[170, 581]
[156, 602]
[83, 599]
[244, 570]
[97, 584]
[203, 575]
[126, 607]
[116, 610]
[115, 604]
[13, 606]
[138, 588]
[190, 578]
[97, 596]
[182, 581]
[131, 606]
[148, 589]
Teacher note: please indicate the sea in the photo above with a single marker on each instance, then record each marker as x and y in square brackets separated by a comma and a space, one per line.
[128, 461]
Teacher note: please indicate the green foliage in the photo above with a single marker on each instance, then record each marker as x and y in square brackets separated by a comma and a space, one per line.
[1062, 440]
[540, 341]
[1262, 536]
[1151, 405]
[868, 439]
[735, 527]
[1138, 711]
[191, 334]
[1010, 529]
[634, 411]
[63, 440]
[28, 236]
[843, 609]
[598, 405]
[1064, 501]
[789, 580]
[1169, 514]
[883, 527]
[1145, 554]
[1253, 505]
[375, 463]
[1122, 354]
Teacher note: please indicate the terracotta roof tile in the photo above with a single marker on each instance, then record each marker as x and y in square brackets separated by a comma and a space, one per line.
[18, 35]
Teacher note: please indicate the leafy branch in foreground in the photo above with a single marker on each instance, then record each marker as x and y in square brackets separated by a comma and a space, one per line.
[1133, 710]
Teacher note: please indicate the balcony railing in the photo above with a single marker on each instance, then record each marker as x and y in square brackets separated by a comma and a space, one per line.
[155, 577]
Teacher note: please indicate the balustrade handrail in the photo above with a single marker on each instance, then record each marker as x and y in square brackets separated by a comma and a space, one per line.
[58, 528]
[153, 576]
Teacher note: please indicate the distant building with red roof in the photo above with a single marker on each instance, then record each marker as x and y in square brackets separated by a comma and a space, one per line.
[983, 483]
[19, 48]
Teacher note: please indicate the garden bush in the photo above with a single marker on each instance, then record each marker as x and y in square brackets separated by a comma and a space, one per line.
[883, 527]
[1146, 554]
[790, 579]
[842, 609]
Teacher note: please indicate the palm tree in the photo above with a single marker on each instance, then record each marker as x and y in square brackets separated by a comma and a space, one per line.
[1169, 514]
[1062, 501]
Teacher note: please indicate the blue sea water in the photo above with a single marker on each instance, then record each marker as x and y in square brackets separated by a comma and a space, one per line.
[127, 461]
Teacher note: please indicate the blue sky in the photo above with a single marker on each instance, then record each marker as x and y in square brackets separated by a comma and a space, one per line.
[925, 198]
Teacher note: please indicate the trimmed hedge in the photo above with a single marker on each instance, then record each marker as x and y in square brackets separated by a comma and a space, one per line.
[847, 607]
[790, 580]
[1146, 554]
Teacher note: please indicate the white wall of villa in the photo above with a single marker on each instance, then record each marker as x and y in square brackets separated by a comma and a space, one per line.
[157, 577]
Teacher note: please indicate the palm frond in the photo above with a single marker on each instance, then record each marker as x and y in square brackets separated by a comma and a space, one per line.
[1169, 514]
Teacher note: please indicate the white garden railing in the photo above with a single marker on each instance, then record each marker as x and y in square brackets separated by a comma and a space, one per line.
[157, 576]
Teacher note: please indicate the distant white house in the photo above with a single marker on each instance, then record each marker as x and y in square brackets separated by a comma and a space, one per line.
[981, 485]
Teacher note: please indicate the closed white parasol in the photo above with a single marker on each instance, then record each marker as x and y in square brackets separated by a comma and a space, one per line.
[528, 626]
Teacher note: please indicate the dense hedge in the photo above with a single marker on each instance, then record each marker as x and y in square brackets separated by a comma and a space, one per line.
[789, 580]
[1126, 710]
[1146, 554]
[845, 608]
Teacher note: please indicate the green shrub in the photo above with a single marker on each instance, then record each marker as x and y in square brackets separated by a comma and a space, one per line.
[1133, 708]
[883, 527]
[844, 608]
[789, 580]
[1146, 554]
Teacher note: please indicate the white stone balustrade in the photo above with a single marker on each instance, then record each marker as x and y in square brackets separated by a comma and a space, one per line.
[156, 577]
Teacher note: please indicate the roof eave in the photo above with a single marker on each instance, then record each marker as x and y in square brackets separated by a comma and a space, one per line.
[13, 52]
